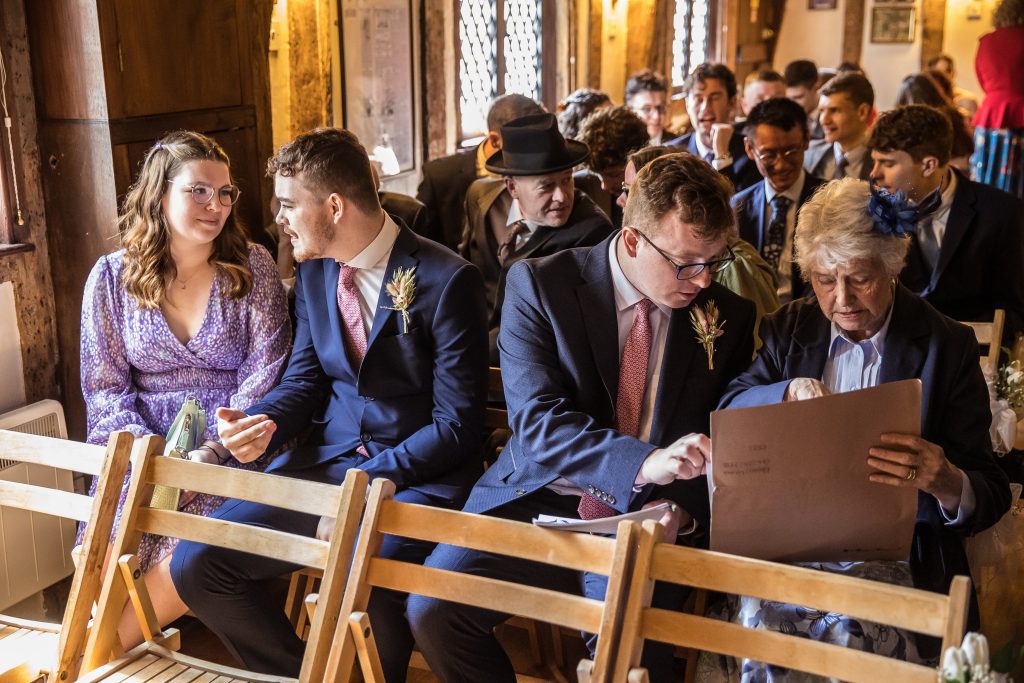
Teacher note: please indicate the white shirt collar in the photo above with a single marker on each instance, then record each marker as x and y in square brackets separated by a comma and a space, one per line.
[516, 214]
[379, 249]
[626, 295]
[701, 149]
[792, 194]
[853, 156]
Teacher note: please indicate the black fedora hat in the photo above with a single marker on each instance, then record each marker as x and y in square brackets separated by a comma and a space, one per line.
[532, 145]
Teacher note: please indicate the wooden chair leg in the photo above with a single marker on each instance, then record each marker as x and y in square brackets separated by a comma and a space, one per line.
[139, 596]
[699, 605]
[557, 649]
[366, 647]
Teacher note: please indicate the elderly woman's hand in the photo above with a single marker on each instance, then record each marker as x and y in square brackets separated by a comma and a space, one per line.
[803, 388]
[906, 460]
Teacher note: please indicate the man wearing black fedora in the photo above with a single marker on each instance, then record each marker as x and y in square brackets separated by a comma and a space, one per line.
[533, 210]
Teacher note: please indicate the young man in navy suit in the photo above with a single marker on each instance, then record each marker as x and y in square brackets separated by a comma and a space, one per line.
[399, 396]
[609, 392]
[966, 256]
[776, 138]
[710, 103]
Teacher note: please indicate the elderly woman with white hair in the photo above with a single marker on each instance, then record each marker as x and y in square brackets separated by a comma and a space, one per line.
[862, 328]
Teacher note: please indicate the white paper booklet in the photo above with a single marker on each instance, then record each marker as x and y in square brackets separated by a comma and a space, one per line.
[605, 525]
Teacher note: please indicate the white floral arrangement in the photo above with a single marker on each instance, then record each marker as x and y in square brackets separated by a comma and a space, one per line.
[970, 663]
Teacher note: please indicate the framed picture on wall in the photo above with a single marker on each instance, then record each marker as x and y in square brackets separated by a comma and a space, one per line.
[377, 78]
[893, 24]
[821, 4]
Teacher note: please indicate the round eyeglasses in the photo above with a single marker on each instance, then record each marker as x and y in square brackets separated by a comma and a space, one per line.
[203, 193]
[688, 271]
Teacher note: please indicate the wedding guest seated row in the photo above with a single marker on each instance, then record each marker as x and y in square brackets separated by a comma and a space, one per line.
[609, 393]
[388, 374]
[860, 329]
[187, 308]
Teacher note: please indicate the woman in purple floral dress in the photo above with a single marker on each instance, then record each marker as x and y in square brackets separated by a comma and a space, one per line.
[187, 307]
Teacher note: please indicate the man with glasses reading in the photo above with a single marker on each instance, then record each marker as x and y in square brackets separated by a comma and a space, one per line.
[776, 138]
[609, 392]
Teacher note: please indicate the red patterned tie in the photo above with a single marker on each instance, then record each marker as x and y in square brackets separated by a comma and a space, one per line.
[630, 399]
[352, 317]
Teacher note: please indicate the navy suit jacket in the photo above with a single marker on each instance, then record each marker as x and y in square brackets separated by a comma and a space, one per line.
[980, 259]
[921, 343]
[417, 401]
[743, 172]
[749, 207]
[560, 358]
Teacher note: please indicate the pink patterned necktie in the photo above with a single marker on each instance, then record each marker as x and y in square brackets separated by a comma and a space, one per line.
[630, 399]
[352, 317]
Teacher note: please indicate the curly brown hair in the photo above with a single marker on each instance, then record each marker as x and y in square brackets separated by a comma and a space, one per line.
[1008, 13]
[330, 160]
[612, 134]
[917, 129]
[689, 186]
[148, 265]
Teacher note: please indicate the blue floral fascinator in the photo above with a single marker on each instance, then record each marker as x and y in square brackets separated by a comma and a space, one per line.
[895, 214]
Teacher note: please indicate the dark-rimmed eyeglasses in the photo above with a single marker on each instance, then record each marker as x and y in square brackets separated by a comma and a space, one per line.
[203, 193]
[771, 156]
[688, 271]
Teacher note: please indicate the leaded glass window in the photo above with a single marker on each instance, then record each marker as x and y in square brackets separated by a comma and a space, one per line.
[690, 44]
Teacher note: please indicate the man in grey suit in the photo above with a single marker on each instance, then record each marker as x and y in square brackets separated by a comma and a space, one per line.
[844, 111]
[533, 210]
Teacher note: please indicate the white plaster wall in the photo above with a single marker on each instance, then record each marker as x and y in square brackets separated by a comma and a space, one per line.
[810, 34]
[887, 64]
[12, 377]
[966, 21]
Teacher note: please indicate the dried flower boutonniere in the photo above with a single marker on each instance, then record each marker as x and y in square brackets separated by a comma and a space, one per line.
[402, 289]
[705, 324]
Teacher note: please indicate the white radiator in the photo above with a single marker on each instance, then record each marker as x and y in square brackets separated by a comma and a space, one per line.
[35, 549]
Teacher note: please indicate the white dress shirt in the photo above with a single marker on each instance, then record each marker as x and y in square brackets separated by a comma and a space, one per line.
[855, 365]
[717, 164]
[371, 264]
[855, 160]
[516, 214]
[785, 269]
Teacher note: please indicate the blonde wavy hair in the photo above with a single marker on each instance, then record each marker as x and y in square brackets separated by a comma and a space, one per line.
[148, 265]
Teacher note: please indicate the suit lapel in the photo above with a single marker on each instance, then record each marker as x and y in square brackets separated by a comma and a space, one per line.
[904, 352]
[402, 256]
[810, 346]
[680, 348]
[541, 236]
[596, 298]
[961, 214]
[757, 206]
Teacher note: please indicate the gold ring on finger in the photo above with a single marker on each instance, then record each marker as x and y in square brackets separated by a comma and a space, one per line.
[912, 474]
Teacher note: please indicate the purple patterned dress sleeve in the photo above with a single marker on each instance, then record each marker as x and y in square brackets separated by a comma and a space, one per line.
[270, 332]
[110, 396]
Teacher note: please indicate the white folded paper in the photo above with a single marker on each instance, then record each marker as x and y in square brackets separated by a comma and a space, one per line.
[604, 525]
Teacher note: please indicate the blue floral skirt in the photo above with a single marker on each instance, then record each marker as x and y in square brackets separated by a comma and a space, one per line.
[803, 622]
[998, 159]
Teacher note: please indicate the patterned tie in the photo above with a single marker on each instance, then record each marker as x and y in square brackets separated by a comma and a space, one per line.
[508, 246]
[841, 164]
[352, 317]
[630, 399]
[776, 236]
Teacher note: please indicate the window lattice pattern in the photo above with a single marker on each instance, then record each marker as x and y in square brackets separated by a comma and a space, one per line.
[690, 44]
[478, 63]
[522, 47]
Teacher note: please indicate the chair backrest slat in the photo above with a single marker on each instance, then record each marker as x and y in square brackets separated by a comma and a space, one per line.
[779, 649]
[308, 552]
[46, 501]
[581, 552]
[45, 450]
[580, 613]
[917, 610]
[990, 335]
[289, 493]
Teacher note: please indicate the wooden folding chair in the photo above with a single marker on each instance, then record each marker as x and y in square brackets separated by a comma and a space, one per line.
[30, 649]
[990, 335]
[933, 614]
[581, 552]
[155, 659]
